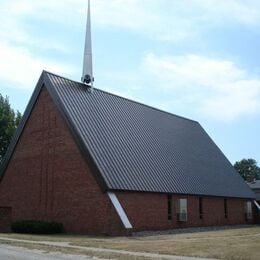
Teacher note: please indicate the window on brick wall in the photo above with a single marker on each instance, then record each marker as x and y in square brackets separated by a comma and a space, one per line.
[169, 205]
[225, 208]
[201, 207]
[182, 212]
[248, 210]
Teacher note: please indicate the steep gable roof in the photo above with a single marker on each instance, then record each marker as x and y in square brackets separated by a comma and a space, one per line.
[134, 147]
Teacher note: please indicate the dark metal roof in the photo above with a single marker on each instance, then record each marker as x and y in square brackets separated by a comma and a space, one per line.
[135, 147]
[254, 184]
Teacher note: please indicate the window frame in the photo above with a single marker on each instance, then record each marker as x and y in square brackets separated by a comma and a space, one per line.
[248, 210]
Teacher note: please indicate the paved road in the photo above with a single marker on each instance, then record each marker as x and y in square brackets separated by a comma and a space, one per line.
[18, 253]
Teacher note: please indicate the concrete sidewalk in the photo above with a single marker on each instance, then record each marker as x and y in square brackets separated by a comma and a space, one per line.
[96, 249]
[8, 252]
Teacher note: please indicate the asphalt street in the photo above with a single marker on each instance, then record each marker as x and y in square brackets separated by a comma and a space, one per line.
[17, 253]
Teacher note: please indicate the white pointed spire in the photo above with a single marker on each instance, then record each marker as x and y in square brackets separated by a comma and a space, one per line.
[87, 74]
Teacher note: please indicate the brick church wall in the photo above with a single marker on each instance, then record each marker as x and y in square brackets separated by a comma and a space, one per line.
[48, 179]
[149, 211]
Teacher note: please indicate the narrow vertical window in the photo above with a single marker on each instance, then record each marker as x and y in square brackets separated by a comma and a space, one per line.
[225, 208]
[248, 210]
[182, 210]
[169, 203]
[200, 207]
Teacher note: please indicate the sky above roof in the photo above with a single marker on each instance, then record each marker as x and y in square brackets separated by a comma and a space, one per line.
[194, 58]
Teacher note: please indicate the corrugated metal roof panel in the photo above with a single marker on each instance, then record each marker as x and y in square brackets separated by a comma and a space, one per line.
[134, 147]
[140, 148]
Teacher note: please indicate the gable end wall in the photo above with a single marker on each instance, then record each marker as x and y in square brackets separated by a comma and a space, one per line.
[48, 179]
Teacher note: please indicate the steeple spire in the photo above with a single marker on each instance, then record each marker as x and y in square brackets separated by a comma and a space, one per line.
[87, 74]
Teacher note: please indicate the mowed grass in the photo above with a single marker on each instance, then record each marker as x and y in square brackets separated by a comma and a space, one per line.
[237, 243]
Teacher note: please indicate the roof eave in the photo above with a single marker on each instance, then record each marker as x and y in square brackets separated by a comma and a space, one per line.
[250, 196]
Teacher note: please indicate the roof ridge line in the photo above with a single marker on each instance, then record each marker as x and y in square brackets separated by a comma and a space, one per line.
[128, 99]
[148, 106]
[66, 78]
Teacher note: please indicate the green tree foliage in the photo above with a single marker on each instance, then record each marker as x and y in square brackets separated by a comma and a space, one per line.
[248, 169]
[9, 120]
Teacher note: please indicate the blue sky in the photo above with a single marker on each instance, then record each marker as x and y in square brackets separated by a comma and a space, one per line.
[195, 58]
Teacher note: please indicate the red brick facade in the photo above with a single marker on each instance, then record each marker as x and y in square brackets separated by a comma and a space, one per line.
[150, 211]
[48, 179]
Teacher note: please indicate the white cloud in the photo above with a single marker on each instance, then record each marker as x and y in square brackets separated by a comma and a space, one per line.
[217, 88]
[165, 20]
[234, 99]
[235, 11]
[20, 64]
[16, 17]
[151, 18]
[170, 20]
[21, 69]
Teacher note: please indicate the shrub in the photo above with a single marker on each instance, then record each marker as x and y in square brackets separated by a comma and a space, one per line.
[36, 227]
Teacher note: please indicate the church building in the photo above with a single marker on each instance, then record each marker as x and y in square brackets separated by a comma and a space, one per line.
[102, 164]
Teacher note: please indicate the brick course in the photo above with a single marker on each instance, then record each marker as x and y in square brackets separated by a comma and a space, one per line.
[48, 179]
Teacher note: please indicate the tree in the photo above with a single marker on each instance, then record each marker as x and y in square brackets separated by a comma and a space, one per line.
[9, 120]
[248, 169]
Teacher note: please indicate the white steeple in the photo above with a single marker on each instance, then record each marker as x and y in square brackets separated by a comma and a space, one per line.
[87, 74]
